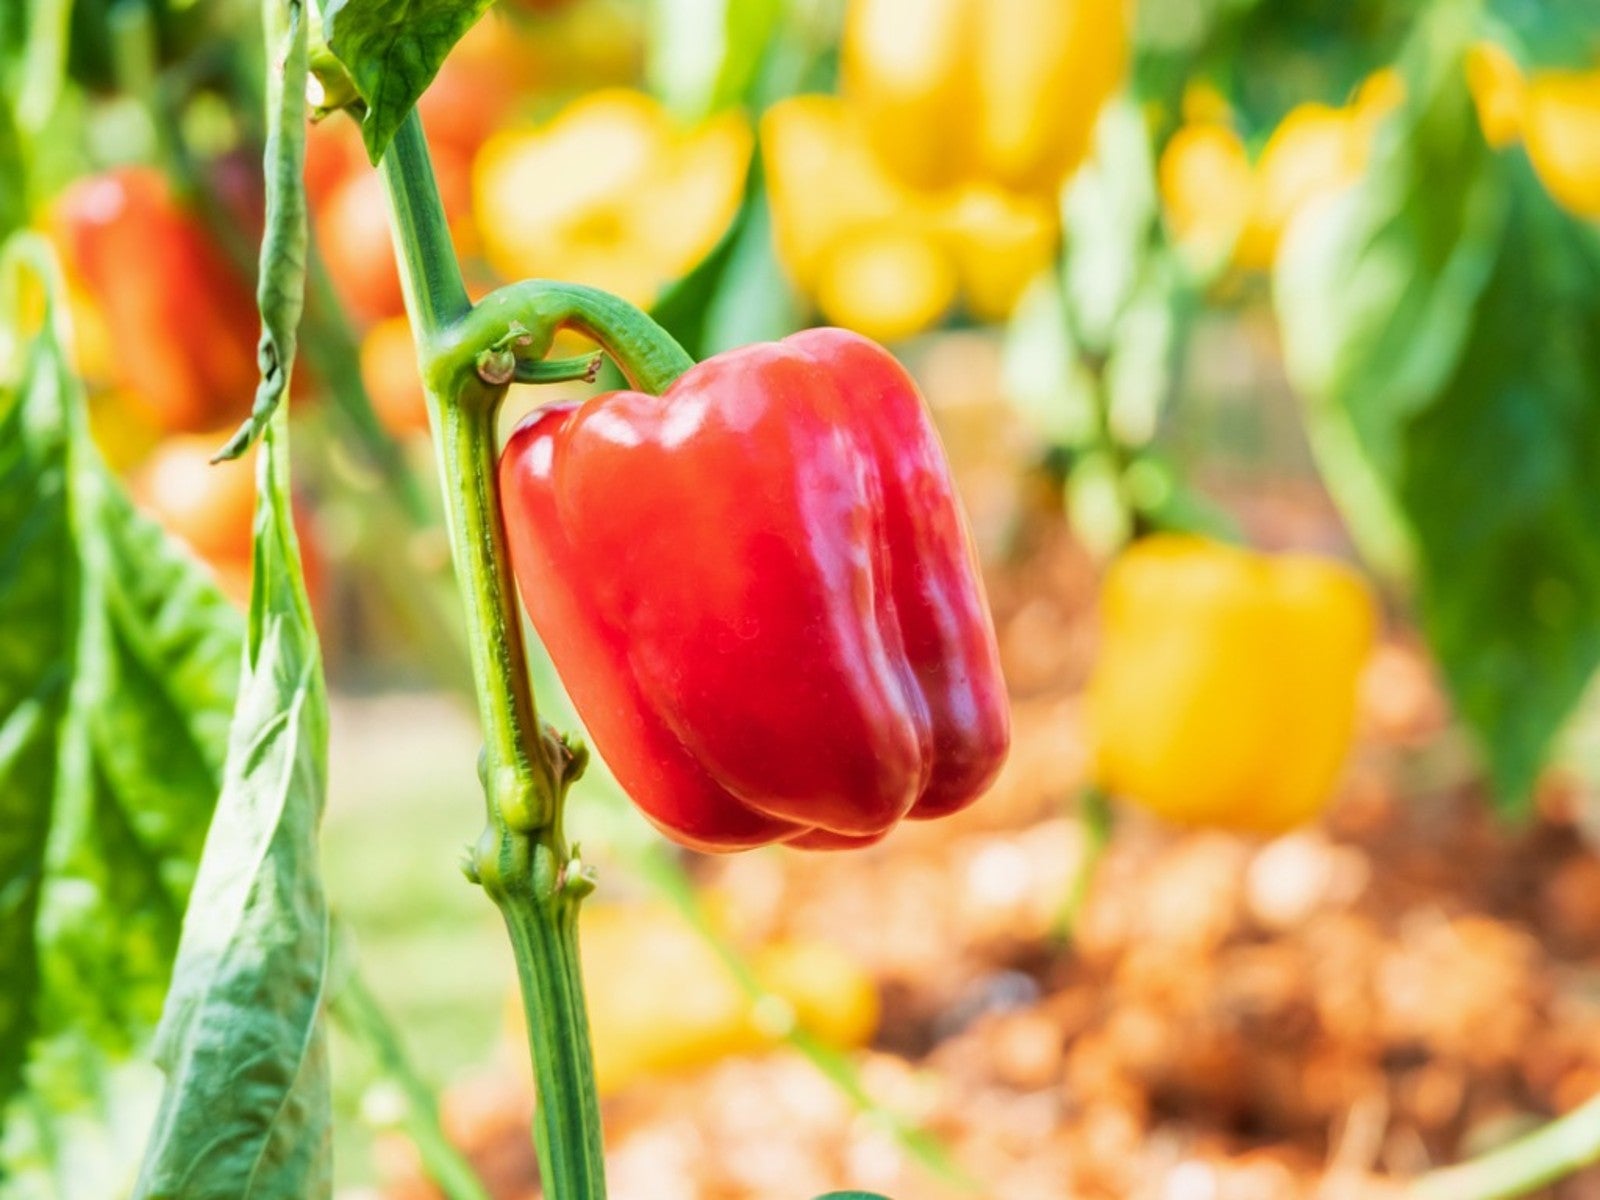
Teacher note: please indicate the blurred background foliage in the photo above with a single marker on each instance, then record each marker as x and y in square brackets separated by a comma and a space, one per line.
[1188, 248]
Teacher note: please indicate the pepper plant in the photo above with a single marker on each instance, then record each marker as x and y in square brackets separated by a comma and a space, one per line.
[898, 708]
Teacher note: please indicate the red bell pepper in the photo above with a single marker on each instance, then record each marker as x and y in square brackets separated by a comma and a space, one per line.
[761, 594]
[183, 319]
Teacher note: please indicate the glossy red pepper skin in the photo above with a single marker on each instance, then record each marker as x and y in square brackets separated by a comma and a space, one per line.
[761, 593]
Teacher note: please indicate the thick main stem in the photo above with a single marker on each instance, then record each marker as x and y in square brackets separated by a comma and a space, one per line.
[522, 860]
[544, 937]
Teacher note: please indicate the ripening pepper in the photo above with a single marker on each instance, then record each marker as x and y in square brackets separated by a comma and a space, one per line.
[1003, 92]
[878, 256]
[670, 1004]
[1225, 690]
[1207, 188]
[760, 591]
[611, 193]
[1220, 206]
[1498, 91]
[1561, 129]
[182, 318]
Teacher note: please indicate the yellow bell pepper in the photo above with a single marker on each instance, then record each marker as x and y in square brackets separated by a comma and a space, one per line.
[1316, 150]
[663, 1001]
[1561, 129]
[611, 193]
[1498, 91]
[884, 280]
[1207, 189]
[999, 242]
[880, 257]
[1215, 199]
[1225, 690]
[1003, 92]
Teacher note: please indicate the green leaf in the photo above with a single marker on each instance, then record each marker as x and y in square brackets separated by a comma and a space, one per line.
[118, 662]
[736, 295]
[246, 1114]
[42, 70]
[281, 281]
[13, 177]
[1552, 33]
[393, 49]
[1109, 217]
[1441, 320]
[706, 55]
[243, 1036]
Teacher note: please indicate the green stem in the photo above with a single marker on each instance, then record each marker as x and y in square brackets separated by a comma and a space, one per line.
[559, 370]
[358, 1011]
[522, 859]
[522, 320]
[1095, 819]
[543, 923]
[435, 294]
[1550, 1152]
[520, 778]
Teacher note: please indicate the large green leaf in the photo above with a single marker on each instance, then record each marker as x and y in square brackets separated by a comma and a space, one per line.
[245, 1115]
[243, 1039]
[393, 49]
[1441, 320]
[118, 661]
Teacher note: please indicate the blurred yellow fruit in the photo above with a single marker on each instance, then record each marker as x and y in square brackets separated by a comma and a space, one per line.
[1316, 150]
[1207, 189]
[122, 429]
[1204, 104]
[822, 181]
[612, 193]
[885, 281]
[1225, 690]
[832, 997]
[1498, 91]
[662, 1000]
[1000, 243]
[1561, 128]
[392, 378]
[880, 257]
[1378, 95]
[995, 91]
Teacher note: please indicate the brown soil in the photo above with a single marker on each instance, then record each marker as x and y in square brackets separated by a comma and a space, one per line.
[1318, 1015]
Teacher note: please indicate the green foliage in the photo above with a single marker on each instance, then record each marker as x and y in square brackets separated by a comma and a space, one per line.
[13, 179]
[243, 1040]
[281, 288]
[1267, 55]
[1090, 363]
[1552, 33]
[118, 660]
[393, 49]
[1441, 320]
[707, 54]
[738, 293]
